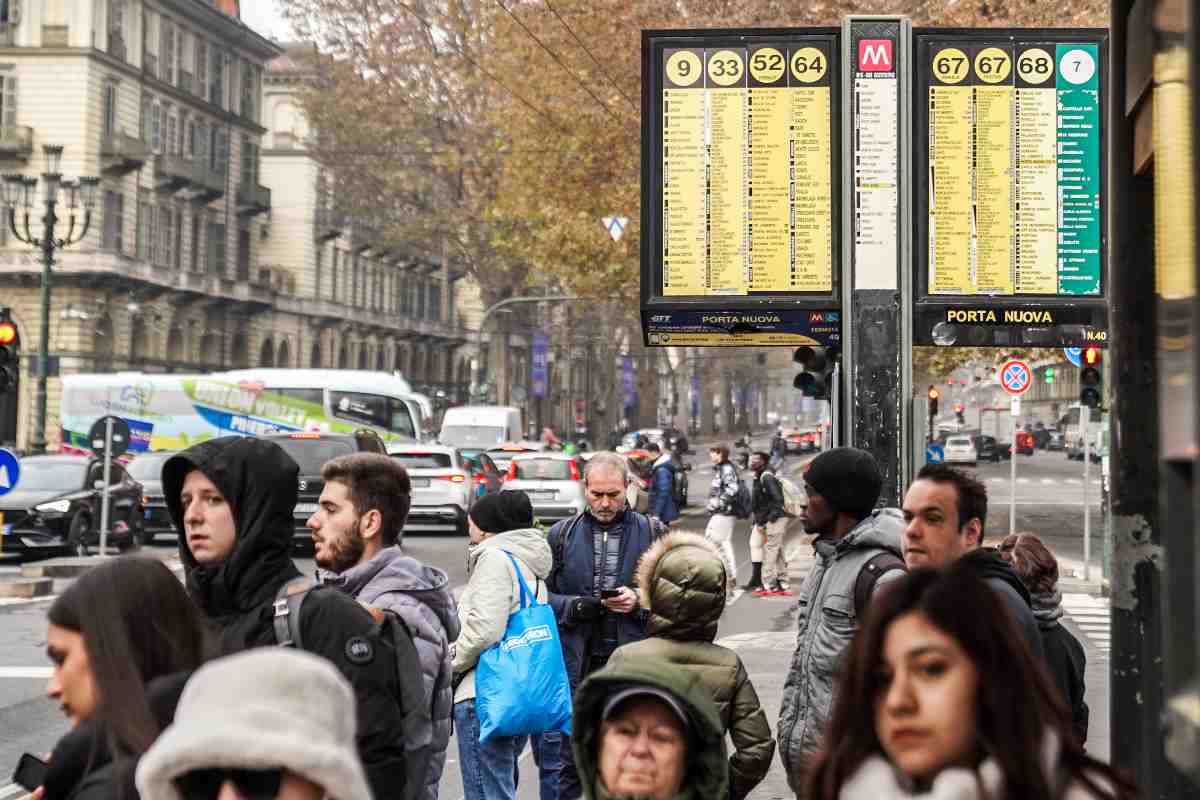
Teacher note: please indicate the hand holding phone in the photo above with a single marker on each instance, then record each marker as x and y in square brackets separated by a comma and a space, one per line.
[608, 594]
[30, 772]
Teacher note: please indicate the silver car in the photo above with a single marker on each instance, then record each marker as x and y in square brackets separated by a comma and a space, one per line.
[553, 481]
[442, 487]
[960, 450]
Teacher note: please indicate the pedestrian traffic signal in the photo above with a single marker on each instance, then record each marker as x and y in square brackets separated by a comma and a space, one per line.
[1049, 374]
[816, 380]
[934, 394]
[1090, 378]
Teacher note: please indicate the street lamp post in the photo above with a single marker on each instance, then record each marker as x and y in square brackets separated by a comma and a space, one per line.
[477, 377]
[18, 190]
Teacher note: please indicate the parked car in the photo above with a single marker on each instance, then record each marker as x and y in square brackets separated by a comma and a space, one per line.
[57, 505]
[960, 450]
[553, 481]
[310, 450]
[443, 487]
[146, 469]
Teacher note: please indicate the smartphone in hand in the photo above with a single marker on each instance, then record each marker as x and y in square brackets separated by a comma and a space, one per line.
[30, 772]
[609, 594]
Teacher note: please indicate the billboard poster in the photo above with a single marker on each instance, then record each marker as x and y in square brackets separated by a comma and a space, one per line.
[540, 366]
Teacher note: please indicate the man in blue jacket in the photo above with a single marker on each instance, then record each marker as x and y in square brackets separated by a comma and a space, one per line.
[662, 486]
[591, 582]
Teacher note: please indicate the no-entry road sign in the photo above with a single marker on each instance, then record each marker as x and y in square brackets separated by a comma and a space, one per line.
[1015, 377]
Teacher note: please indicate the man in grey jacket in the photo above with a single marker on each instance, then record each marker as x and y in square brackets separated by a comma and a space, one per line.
[359, 518]
[843, 486]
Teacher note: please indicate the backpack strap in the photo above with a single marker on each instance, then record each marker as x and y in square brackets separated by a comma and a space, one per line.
[560, 549]
[869, 575]
[287, 611]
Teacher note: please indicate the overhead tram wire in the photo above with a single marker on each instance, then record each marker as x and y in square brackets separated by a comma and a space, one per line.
[595, 61]
[559, 61]
[487, 74]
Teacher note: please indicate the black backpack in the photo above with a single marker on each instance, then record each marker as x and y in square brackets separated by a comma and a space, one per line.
[869, 575]
[416, 712]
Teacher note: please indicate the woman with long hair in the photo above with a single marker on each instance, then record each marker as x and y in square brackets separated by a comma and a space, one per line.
[118, 628]
[959, 708]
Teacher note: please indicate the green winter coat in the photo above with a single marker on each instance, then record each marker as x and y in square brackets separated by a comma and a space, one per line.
[706, 774]
[681, 582]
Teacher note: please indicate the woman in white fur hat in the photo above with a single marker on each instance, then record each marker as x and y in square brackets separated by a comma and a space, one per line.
[267, 723]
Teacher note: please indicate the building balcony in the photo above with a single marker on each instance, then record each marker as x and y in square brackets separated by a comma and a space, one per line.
[122, 153]
[171, 172]
[329, 224]
[207, 183]
[253, 199]
[16, 141]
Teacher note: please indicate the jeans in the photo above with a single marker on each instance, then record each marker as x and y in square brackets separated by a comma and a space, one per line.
[546, 754]
[489, 769]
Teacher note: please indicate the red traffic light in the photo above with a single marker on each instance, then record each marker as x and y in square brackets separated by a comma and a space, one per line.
[8, 333]
[1091, 356]
[958, 409]
[934, 394]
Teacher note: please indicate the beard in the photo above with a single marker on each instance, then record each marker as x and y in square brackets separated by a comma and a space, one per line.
[344, 551]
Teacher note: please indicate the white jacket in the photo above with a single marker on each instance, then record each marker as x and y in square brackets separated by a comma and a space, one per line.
[493, 594]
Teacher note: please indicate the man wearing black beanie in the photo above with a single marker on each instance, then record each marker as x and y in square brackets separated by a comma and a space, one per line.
[858, 549]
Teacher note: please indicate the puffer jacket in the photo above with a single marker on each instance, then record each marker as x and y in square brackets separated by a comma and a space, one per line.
[419, 595]
[826, 623]
[681, 580]
[662, 489]
[723, 490]
[706, 772]
[493, 595]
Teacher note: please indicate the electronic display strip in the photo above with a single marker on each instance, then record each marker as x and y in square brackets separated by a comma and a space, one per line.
[1013, 168]
[747, 169]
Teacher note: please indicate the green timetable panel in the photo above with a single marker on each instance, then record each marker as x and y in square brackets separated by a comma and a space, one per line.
[1010, 140]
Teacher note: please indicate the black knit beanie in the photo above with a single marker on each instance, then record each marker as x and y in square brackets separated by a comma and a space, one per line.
[848, 479]
[503, 511]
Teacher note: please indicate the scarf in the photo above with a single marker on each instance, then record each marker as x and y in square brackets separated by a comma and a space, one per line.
[602, 793]
[1047, 607]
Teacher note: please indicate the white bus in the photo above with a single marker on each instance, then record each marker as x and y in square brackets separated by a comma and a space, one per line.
[170, 412]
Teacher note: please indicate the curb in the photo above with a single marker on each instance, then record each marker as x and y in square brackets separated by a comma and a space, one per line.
[61, 567]
[26, 588]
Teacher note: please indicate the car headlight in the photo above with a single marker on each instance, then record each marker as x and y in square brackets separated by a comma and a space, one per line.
[59, 506]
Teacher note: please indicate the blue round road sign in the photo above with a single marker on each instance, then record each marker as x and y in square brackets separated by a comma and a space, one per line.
[10, 471]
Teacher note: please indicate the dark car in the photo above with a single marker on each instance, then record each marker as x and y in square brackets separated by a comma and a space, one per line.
[311, 450]
[146, 469]
[57, 502]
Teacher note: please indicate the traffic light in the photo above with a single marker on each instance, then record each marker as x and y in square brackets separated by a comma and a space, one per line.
[1048, 375]
[934, 394]
[959, 408]
[9, 345]
[1089, 378]
[818, 363]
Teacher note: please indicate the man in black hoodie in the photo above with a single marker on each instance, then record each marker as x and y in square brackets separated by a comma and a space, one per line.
[944, 514]
[233, 499]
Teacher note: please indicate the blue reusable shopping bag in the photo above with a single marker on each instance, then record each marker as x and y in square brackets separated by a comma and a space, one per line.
[521, 684]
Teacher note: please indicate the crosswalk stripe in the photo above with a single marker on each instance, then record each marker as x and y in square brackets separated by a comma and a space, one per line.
[12, 791]
[26, 672]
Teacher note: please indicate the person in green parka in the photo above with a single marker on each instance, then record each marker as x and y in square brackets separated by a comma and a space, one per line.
[648, 731]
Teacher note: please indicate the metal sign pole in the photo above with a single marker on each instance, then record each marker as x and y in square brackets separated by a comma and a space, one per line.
[1015, 410]
[108, 431]
[1084, 424]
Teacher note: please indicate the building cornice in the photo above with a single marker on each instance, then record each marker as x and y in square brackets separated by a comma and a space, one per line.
[215, 21]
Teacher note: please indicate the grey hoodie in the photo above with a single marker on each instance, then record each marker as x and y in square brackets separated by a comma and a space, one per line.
[493, 594]
[827, 624]
[418, 594]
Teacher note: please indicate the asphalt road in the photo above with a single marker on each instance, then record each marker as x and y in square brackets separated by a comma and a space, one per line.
[1048, 503]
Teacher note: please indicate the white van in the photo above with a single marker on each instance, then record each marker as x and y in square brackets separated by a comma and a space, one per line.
[481, 427]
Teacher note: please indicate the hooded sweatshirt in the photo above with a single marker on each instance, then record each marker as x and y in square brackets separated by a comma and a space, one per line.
[493, 595]
[706, 774]
[259, 481]
[826, 623]
[1000, 575]
[419, 594]
[681, 581]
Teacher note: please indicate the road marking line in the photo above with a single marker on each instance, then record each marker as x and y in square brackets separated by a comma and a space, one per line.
[12, 791]
[26, 672]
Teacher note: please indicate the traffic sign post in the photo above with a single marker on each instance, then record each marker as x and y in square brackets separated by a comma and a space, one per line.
[10, 473]
[109, 437]
[1015, 378]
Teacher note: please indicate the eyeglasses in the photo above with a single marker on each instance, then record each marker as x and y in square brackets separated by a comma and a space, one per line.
[252, 784]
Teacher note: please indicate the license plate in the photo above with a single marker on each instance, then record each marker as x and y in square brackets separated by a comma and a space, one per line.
[306, 508]
[542, 495]
[421, 483]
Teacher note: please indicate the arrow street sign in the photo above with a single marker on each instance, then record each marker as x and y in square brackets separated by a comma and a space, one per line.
[10, 472]
[1074, 355]
[615, 226]
[1015, 377]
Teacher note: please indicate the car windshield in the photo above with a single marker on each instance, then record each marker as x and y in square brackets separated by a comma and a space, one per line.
[481, 436]
[148, 467]
[311, 454]
[543, 469]
[56, 476]
[423, 460]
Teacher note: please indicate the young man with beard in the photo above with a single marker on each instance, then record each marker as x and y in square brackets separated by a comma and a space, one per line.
[853, 541]
[233, 499]
[355, 530]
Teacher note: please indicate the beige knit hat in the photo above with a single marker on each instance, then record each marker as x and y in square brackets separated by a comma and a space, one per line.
[267, 707]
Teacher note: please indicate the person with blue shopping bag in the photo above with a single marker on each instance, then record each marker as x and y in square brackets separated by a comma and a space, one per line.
[507, 627]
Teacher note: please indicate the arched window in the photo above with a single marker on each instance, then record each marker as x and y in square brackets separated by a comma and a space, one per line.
[283, 355]
[266, 357]
[139, 340]
[315, 360]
